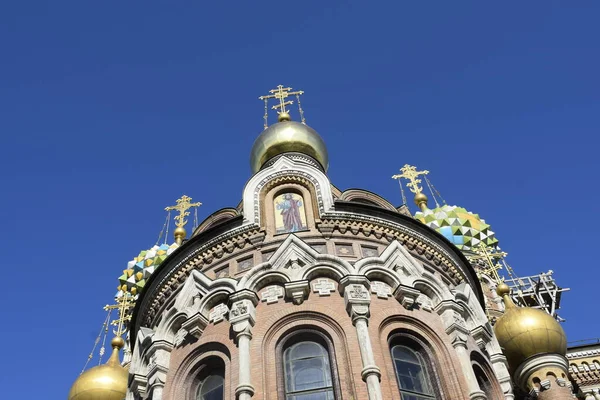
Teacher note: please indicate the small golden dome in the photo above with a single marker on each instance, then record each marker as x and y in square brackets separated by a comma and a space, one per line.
[524, 332]
[285, 137]
[104, 382]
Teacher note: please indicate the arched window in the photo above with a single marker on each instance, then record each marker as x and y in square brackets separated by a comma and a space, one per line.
[412, 372]
[483, 381]
[307, 372]
[212, 381]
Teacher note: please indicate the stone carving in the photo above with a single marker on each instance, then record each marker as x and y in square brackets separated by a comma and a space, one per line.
[180, 337]
[294, 263]
[424, 303]
[238, 309]
[218, 313]
[272, 294]
[323, 286]
[357, 292]
[381, 289]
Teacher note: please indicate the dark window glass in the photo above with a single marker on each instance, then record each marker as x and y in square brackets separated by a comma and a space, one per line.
[307, 372]
[211, 387]
[484, 383]
[412, 374]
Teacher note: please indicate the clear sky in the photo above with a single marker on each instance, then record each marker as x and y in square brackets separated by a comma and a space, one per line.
[109, 111]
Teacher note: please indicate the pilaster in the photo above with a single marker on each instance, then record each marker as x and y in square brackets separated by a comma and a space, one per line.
[358, 299]
[242, 317]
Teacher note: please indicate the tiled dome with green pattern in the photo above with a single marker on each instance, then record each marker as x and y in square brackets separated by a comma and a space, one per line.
[461, 227]
[141, 267]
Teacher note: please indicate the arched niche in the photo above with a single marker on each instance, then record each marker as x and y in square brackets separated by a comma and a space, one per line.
[289, 207]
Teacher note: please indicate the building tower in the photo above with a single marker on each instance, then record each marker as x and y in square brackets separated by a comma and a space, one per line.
[304, 291]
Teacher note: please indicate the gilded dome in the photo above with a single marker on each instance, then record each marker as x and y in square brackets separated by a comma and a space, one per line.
[104, 382]
[524, 332]
[286, 137]
[463, 228]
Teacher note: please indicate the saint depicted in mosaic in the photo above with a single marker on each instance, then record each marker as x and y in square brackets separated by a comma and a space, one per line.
[289, 213]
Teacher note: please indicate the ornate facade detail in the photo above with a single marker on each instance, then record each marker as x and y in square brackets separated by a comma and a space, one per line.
[382, 290]
[406, 295]
[297, 291]
[218, 313]
[272, 294]
[324, 287]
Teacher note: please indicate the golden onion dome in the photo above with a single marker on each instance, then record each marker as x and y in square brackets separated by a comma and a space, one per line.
[285, 137]
[524, 332]
[104, 382]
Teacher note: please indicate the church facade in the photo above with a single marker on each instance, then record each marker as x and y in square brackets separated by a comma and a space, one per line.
[307, 292]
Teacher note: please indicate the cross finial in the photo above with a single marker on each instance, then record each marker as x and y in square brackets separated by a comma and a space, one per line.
[281, 93]
[489, 259]
[124, 303]
[410, 173]
[183, 205]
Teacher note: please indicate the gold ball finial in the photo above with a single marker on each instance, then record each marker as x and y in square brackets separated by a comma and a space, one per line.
[179, 234]
[503, 289]
[117, 342]
[421, 201]
[284, 116]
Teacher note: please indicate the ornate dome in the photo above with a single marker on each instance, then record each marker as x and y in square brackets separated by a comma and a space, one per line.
[141, 267]
[461, 227]
[104, 382]
[524, 332]
[284, 137]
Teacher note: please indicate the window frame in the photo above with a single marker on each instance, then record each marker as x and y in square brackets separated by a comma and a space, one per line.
[206, 368]
[418, 346]
[305, 335]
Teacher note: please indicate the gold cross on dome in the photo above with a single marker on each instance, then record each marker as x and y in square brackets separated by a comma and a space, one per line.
[124, 303]
[410, 172]
[281, 93]
[490, 260]
[183, 205]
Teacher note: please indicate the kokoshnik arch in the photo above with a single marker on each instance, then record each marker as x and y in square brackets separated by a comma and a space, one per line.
[305, 292]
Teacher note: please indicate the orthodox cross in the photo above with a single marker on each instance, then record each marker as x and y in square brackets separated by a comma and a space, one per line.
[281, 93]
[183, 205]
[124, 303]
[410, 172]
[490, 259]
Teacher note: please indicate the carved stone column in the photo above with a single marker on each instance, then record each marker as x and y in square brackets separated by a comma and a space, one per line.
[358, 299]
[451, 313]
[159, 354]
[242, 317]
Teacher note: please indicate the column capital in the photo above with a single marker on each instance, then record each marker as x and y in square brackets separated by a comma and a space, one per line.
[357, 297]
[242, 314]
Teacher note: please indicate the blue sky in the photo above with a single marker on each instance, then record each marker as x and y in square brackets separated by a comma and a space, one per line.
[109, 111]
